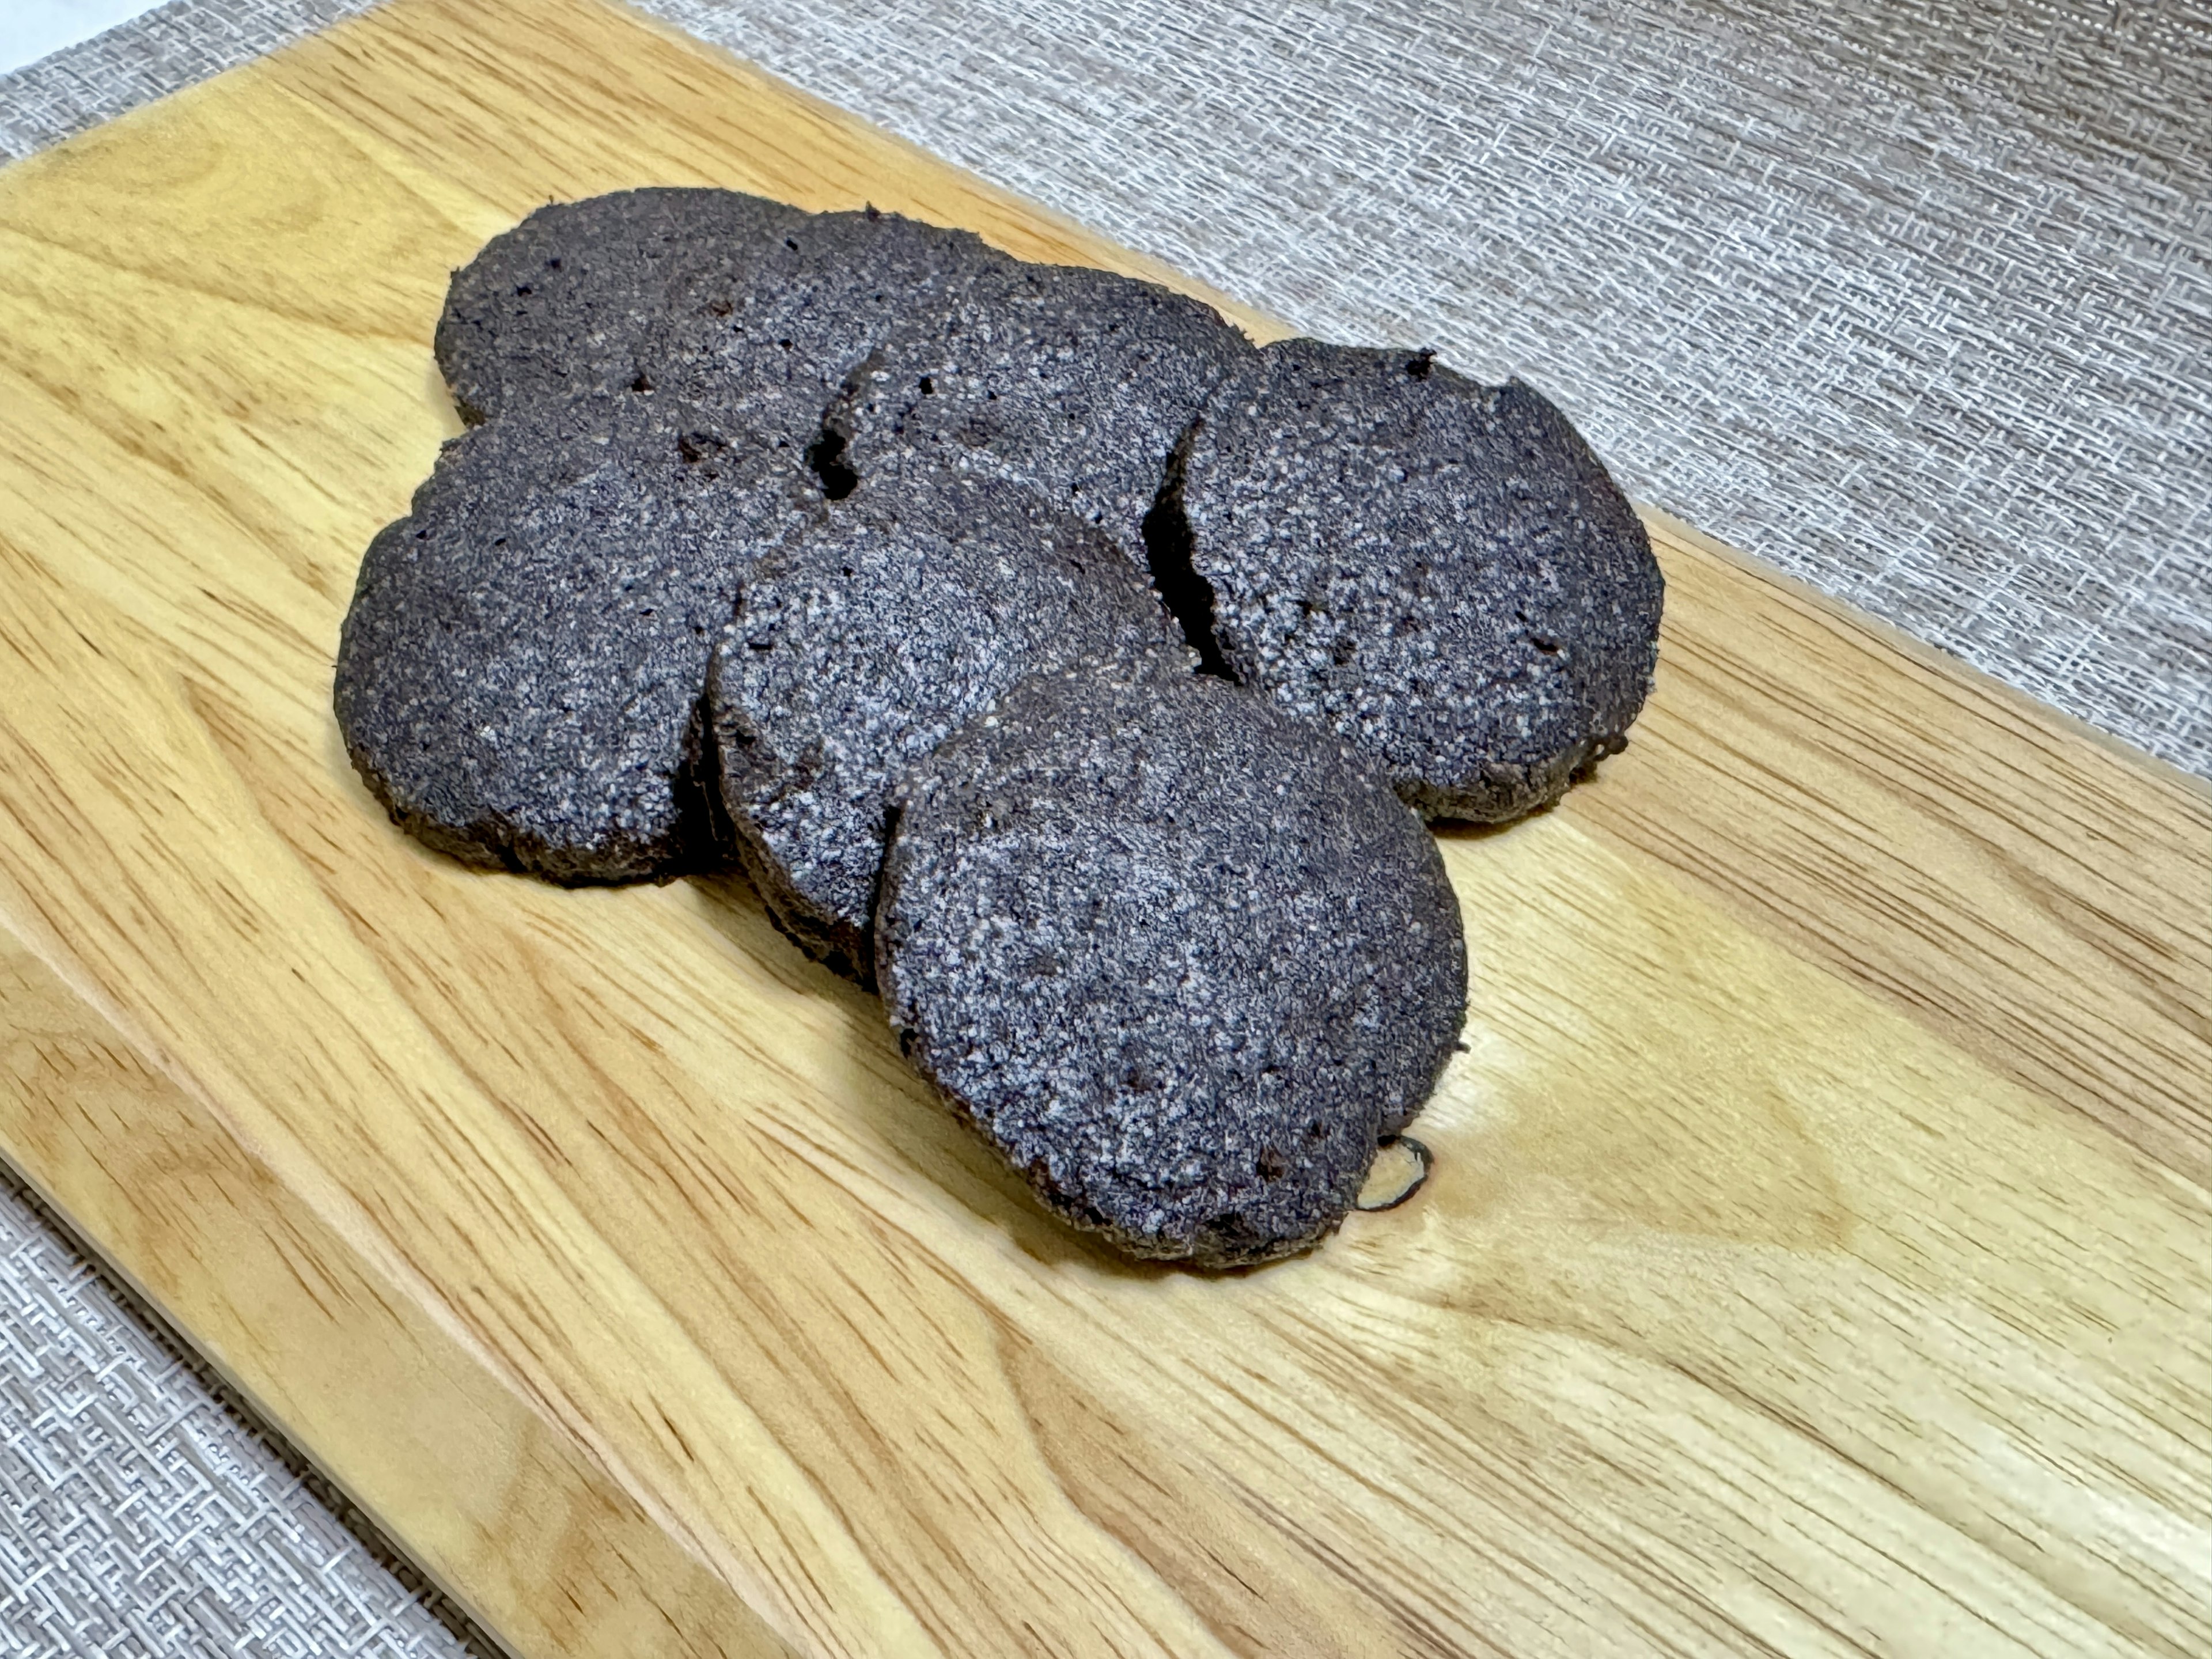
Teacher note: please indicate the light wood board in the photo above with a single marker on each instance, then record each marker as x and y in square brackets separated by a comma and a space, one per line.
[1817, 1258]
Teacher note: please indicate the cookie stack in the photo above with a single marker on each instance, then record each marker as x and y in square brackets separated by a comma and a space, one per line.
[1054, 661]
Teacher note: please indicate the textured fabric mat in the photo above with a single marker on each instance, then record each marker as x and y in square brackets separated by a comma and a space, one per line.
[1915, 301]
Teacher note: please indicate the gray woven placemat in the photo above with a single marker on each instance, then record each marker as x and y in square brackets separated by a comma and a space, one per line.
[1914, 301]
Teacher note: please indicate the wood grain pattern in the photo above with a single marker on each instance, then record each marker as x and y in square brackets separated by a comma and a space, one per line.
[502, 1508]
[2030, 890]
[1816, 1261]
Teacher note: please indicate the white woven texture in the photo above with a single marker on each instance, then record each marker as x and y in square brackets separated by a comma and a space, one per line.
[1915, 301]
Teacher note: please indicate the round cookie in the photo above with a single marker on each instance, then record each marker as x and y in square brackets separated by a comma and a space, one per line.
[1075, 381]
[580, 295]
[1439, 571]
[521, 673]
[859, 647]
[1181, 959]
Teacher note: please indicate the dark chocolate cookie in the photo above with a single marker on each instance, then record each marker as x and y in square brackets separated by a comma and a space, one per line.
[1074, 382]
[1439, 571]
[860, 646]
[521, 676]
[831, 289]
[1180, 958]
[582, 296]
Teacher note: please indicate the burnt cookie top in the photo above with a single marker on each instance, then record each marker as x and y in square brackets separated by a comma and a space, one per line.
[1074, 382]
[580, 296]
[1439, 571]
[521, 673]
[1180, 958]
[860, 646]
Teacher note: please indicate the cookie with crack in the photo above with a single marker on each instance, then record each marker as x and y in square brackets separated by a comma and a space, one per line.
[859, 647]
[521, 674]
[829, 290]
[1437, 571]
[1180, 958]
[1075, 382]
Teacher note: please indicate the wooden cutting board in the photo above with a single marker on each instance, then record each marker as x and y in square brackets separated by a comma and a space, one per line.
[1817, 1257]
